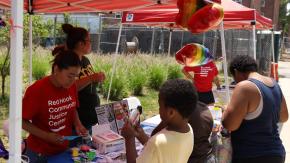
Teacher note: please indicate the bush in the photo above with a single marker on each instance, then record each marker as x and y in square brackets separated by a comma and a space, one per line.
[137, 80]
[156, 76]
[40, 66]
[119, 88]
[174, 72]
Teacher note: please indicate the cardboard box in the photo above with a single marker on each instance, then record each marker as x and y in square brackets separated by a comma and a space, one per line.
[106, 140]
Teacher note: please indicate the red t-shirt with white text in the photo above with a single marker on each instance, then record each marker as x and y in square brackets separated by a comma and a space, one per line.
[202, 76]
[51, 109]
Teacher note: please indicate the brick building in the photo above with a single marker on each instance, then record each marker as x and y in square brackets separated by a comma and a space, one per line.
[268, 8]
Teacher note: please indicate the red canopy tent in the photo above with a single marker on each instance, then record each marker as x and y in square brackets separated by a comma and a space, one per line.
[81, 6]
[46, 6]
[235, 16]
[5, 4]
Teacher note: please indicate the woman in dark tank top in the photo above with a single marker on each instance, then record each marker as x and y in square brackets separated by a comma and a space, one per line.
[256, 106]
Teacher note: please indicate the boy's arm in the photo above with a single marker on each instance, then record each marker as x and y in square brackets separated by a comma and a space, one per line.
[128, 133]
[141, 135]
[131, 152]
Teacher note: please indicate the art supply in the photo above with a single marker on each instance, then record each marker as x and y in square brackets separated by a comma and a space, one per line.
[85, 148]
[69, 138]
[91, 155]
[75, 152]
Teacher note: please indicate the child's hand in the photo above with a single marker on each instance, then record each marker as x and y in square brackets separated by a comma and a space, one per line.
[54, 138]
[128, 130]
[138, 130]
[81, 130]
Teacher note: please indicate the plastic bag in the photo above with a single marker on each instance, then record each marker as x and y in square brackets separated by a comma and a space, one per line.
[222, 147]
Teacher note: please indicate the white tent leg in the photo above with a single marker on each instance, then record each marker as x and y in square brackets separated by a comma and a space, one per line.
[115, 61]
[30, 49]
[273, 54]
[152, 41]
[169, 44]
[15, 102]
[225, 61]
[254, 42]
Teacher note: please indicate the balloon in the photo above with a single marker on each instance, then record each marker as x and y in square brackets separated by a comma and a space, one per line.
[193, 55]
[199, 15]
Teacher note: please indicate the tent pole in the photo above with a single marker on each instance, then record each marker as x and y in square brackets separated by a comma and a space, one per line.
[169, 44]
[30, 49]
[225, 67]
[214, 44]
[273, 53]
[115, 61]
[181, 42]
[15, 102]
[254, 41]
[203, 38]
[152, 41]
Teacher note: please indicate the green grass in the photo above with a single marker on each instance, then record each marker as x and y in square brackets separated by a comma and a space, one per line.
[131, 77]
[149, 102]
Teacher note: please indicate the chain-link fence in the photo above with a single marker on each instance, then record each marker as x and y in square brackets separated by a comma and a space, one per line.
[156, 40]
[285, 45]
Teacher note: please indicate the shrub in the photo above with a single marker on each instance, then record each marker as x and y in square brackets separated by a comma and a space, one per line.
[174, 72]
[137, 80]
[40, 66]
[119, 88]
[156, 76]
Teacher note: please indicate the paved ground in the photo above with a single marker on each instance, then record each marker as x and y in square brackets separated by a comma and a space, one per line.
[284, 81]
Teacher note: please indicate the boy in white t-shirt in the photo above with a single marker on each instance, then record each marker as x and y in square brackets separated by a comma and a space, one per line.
[173, 142]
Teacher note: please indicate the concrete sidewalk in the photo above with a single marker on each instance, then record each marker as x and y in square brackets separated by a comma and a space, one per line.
[284, 81]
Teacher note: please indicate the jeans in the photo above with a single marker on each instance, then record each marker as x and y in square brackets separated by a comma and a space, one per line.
[35, 157]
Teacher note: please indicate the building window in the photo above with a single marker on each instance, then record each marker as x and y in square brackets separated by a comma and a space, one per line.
[239, 1]
[118, 15]
[263, 3]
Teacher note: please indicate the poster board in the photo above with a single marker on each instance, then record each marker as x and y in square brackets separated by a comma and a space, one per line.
[115, 114]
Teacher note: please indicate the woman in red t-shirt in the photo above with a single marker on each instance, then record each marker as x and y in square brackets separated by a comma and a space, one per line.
[200, 68]
[49, 109]
[202, 77]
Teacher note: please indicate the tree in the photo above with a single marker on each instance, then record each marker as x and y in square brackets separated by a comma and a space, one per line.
[284, 16]
[4, 56]
[41, 28]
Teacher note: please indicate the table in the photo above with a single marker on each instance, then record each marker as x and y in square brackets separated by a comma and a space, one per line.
[65, 157]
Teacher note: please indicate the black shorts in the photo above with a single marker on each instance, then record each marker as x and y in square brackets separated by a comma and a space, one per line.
[262, 159]
[206, 97]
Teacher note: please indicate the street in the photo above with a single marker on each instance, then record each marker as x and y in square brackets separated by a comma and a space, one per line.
[284, 81]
